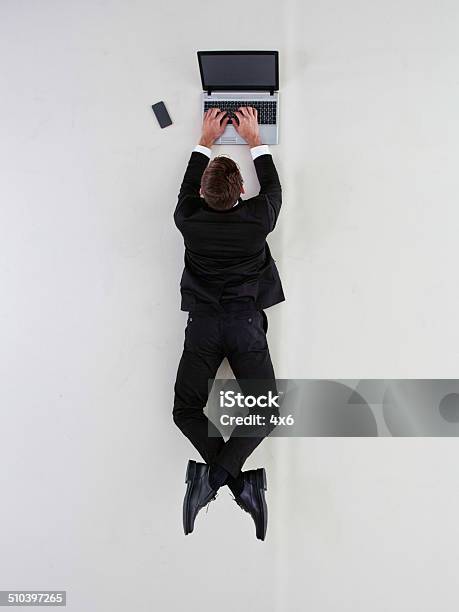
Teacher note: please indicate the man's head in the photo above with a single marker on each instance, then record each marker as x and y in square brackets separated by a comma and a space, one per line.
[221, 183]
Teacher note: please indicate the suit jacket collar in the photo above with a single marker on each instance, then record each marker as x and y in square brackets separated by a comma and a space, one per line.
[227, 210]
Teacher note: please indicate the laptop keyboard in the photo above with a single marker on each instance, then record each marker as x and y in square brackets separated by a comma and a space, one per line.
[266, 109]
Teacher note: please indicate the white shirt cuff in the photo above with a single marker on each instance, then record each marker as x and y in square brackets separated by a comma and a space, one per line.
[202, 149]
[260, 150]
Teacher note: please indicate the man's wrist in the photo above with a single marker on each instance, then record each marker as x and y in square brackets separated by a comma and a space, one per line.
[255, 142]
[205, 142]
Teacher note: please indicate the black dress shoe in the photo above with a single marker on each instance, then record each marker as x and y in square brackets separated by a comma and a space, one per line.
[198, 493]
[252, 499]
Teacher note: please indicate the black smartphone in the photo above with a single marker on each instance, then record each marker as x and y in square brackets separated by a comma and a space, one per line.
[162, 115]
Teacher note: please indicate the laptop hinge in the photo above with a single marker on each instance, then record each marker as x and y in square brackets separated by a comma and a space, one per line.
[271, 92]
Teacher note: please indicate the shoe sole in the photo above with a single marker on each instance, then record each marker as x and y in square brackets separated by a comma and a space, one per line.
[190, 475]
[262, 486]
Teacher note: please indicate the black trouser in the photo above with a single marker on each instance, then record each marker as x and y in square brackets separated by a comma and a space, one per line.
[238, 332]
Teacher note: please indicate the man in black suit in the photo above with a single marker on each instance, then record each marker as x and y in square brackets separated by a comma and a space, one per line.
[229, 279]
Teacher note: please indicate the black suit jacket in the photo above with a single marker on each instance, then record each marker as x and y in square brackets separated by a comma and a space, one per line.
[226, 253]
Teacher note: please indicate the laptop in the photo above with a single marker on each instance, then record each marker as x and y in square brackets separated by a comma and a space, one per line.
[231, 79]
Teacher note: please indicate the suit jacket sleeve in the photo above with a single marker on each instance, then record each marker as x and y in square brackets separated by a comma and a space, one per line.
[270, 187]
[192, 180]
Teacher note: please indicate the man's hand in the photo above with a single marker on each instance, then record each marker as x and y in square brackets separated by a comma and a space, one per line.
[248, 125]
[212, 126]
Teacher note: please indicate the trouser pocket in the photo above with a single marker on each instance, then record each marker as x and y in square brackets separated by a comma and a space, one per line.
[202, 333]
[245, 332]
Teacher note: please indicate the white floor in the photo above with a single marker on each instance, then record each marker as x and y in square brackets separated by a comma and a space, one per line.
[91, 464]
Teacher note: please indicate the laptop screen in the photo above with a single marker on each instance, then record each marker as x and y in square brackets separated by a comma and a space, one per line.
[239, 69]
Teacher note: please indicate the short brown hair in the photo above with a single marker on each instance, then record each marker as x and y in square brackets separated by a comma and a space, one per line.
[221, 183]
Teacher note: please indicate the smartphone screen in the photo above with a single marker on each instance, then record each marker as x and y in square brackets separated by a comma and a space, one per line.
[162, 115]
